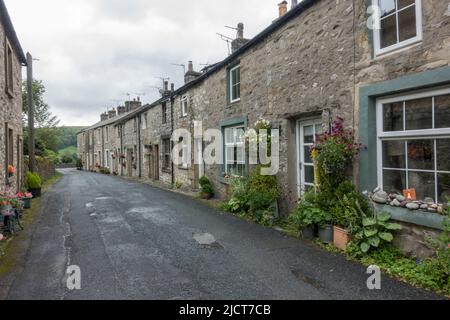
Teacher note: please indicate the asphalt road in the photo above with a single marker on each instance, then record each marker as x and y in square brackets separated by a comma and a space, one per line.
[133, 241]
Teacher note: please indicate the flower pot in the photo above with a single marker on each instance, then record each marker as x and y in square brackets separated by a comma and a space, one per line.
[341, 238]
[308, 233]
[26, 203]
[6, 211]
[326, 234]
[36, 192]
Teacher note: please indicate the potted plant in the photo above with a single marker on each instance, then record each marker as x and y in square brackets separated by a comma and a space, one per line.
[5, 206]
[34, 184]
[207, 190]
[303, 220]
[26, 198]
[324, 221]
[11, 171]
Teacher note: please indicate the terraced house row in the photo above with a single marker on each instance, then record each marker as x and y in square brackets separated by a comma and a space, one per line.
[320, 59]
[11, 134]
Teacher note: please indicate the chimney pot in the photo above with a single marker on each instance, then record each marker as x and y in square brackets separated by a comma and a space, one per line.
[190, 66]
[282, 8]
[240, 31]
[166, 85]
[172, 87]
[294, 3]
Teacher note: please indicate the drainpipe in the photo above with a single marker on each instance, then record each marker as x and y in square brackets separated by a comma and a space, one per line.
[103, 148]
[121, 150]
[139, 144]
[172, 103]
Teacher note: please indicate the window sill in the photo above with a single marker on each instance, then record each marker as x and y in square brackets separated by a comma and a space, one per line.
[420, 218]
[234, 102]
[166, 171]
[397, 50]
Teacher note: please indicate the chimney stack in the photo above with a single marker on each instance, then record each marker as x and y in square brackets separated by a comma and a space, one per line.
[172, 87]
[191, 74]
[294, 3]
[282, 8]
[121, 110]
[166, 86]
[112, 113]
[104, 116]
[240, 41]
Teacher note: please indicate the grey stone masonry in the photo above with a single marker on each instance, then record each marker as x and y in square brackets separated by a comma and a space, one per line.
[309, 64]
[11, 133]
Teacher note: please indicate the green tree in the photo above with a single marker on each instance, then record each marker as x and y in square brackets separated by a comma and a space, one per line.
[42, 115]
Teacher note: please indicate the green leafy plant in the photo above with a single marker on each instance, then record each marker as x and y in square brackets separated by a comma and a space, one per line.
[206, 186]
[33, 180]
[376, 231]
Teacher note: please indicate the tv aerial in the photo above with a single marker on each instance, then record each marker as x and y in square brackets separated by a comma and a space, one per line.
[227, 39]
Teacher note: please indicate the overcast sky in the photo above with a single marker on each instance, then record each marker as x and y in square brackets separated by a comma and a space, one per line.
[92, 52]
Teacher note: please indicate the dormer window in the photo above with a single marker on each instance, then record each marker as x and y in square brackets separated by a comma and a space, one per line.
[400, 24]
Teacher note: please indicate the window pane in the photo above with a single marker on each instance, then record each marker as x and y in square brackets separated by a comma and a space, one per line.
[393, 117]
[309, 174]
[240, 155]
[238, 91]
[442, 111]
[404, 3]
[308, 133]
[421, 154]
[394, 181]
[444, 188]
[234, 93]
[230, 154]
[233, 77]
[388, 32]
[319, 129]
[308, 155]
[238, 75]
[394, 154]
[443, 154]
[424, 184]
[419, 114]
[387, 7]
[407, 23]
[229, 135]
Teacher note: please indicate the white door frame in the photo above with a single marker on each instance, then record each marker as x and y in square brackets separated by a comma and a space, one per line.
[199, 160]
[301, 124]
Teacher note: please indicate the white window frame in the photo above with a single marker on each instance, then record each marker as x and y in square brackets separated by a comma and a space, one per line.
[231, 85]
[234, 144]
[399, 45]
[184, 106]
[427, 134]
[144, 121]
[301, 124]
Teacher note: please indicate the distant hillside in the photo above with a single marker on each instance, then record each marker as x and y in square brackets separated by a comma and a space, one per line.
[67, 147]
[68, 137]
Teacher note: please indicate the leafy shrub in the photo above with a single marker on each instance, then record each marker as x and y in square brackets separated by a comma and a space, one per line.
[79, 163]
[376, 231]
[206, 186]
[33, 180]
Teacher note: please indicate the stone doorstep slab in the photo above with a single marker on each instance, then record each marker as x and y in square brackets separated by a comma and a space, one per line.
[420, 218]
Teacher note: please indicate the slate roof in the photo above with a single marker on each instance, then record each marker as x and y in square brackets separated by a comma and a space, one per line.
[11, 33]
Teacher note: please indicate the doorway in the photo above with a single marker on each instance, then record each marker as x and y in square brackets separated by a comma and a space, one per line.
[307, 132]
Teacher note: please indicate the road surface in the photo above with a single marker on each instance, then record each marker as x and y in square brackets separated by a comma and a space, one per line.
[133, 241]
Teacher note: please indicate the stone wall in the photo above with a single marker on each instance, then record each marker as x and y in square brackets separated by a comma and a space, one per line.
[413, 240]
[10, 114]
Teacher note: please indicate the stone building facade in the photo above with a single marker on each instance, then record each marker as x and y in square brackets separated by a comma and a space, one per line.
[11, 133]
[316, 62]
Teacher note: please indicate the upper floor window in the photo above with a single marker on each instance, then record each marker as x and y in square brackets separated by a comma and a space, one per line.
[9, 74]
[400, 24]
[235, 84]
[414, 144]
[184, 106]
[164, 113]
[144, 121]
[107, 133]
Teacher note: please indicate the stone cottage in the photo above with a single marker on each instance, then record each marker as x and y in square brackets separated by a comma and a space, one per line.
[382, 66]
[11, 134]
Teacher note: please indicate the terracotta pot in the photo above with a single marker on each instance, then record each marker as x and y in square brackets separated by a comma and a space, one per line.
[341, 238]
